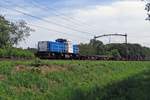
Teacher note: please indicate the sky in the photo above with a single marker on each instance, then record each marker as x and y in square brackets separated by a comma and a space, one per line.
[80, 20]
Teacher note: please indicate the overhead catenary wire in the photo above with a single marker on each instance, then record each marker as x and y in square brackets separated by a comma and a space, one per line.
[61, 15]
[49, 28]
[35, 4]
[47, 21]
[55, 30]
[56, 13]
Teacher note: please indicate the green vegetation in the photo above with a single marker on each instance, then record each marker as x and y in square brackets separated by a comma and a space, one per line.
[123, 51]
[74, 80]
[11, 33]
[16, 53]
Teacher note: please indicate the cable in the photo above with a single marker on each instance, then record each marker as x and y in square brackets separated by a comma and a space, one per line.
[68, 18]
[62, 16]
[53, 30]
[44, 20]
[41, 26]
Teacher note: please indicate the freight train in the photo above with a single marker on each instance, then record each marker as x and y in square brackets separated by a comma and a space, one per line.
[64, 49]
[60, 49]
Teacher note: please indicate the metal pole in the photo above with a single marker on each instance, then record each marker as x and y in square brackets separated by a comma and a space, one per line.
[126, 39]
[94, 37]
[126, 42]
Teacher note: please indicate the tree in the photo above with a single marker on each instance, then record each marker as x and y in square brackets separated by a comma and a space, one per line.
[147, 8]
[86, 49]
[115, 53]
[98, 46]
[12, 33]
[95, 47]
[4, 31]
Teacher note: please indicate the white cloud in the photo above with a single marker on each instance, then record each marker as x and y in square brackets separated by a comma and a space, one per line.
[118, 17]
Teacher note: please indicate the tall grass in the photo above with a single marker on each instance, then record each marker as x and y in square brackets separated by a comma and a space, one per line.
[82, 80]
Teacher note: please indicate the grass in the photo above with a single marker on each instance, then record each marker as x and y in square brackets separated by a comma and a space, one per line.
[74, 80]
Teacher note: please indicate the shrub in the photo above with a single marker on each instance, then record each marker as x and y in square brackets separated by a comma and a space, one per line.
[37, 62]
[16, 53]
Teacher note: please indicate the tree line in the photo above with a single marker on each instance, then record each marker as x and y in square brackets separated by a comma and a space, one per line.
[116, 50]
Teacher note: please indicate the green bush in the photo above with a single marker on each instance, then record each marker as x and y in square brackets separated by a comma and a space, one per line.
[15, 53]
[36, 63]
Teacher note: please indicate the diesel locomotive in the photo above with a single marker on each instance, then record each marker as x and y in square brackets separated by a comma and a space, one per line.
[59, 49]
